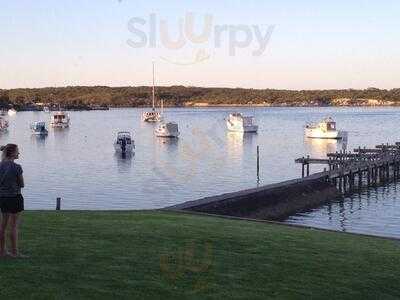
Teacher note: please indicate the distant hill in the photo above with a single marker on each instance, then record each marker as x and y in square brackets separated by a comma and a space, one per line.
[196, 96]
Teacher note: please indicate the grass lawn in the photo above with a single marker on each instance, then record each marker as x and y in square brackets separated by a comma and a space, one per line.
[160, 255]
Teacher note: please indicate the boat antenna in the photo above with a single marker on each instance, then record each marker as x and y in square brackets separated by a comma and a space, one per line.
[154, 92]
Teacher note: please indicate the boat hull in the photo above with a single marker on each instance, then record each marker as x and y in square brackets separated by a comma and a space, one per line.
[151, 117]
[242, 128]
[167, 135]
[319, 134]
[58, 125]
[128, 148]
[41, 133]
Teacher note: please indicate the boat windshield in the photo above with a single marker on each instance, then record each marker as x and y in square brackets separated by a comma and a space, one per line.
[331, 126]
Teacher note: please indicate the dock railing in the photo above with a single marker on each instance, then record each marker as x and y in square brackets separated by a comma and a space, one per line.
[362, 167]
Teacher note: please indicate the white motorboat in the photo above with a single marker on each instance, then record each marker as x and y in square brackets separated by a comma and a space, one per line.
[3, 125]
[239, 123]
[153, 115]
[60, 119]
[39, 128]
[46, 109]
[326, 129]
[124, 143]
[167, 130]
[11, 112]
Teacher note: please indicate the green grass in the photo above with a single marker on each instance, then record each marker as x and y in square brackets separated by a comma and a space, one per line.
[157, 255]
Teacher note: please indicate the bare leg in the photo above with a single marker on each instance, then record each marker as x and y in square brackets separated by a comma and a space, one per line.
[3, 227]
[14, 234]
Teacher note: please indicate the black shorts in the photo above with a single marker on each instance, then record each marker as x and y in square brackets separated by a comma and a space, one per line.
[12, 205]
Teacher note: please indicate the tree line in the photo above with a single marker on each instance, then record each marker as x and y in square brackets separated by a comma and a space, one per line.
[181, 96]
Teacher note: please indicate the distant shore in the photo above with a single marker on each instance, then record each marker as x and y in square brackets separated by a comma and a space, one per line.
[196, 106]
[103, 97]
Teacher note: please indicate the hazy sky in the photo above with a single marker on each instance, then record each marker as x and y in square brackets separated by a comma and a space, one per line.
[313, 44]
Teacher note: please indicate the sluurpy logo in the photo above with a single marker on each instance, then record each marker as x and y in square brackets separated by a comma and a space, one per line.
[197, 44]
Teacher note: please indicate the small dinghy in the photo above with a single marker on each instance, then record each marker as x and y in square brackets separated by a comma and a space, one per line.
[124, 143]
[167, 130]
[39, 128]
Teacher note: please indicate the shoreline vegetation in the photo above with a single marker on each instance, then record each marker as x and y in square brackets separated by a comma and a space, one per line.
[165, 255]
[102, 97]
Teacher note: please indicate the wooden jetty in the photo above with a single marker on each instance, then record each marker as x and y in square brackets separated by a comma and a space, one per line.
[345, 172]
[362, 167]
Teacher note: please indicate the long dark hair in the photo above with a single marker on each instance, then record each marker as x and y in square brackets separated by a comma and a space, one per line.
[8, 151]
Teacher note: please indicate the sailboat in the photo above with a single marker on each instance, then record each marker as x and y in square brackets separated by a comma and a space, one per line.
[166, 129]
[153, 115]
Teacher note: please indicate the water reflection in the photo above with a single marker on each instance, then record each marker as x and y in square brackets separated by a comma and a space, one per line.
[366, 212]
[319, 148]
[4, 134]
[167, 142]
[61, 136]
[124, 162]
[39, 140]
[237, 141]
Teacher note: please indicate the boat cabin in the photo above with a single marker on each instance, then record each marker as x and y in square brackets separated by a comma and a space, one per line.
[60, 117]
[124, 138]
[39, 126]
[171, 127]
[328, 125]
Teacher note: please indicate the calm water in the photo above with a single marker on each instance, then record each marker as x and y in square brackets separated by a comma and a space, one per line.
[79, 164]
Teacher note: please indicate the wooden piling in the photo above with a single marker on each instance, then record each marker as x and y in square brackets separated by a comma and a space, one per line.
[258, 164]
[58, 203]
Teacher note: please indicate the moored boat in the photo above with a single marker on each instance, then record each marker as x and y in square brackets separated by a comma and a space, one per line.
[11, 112]
[39, 128]
[3, 125]
[326, 129]
[60, 119]
[153, 115]
[124, 143]
[239, 123]
[167, 130]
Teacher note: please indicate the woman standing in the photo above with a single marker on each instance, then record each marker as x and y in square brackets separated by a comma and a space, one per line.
[11, 200]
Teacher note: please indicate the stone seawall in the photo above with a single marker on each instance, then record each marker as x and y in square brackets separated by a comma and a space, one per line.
[272, 202]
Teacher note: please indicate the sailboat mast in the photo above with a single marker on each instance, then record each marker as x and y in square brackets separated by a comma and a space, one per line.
[154, 91]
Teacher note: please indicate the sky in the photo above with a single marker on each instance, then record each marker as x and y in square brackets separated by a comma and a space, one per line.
[308, 44]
